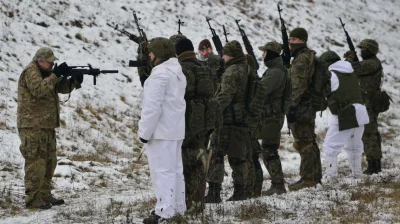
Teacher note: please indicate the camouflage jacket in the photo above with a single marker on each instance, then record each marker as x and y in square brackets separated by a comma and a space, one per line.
[274, 77]
[231, 94]
[370, 73]
[187, 59]
[38, 102]
[214, 62]
[301, 72]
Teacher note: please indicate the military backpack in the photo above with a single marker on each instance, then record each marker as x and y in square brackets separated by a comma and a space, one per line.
[320, 87]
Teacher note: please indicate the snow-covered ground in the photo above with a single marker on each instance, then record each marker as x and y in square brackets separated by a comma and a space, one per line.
[99, 173]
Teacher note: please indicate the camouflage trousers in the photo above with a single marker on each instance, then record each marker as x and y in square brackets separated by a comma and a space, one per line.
[193, 171]
[372, 137]
[253, 165]
[306, 145]
[38, 147]
[271, 137]
[230, 140]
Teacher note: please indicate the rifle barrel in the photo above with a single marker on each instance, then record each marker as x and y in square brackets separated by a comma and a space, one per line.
[109, 71]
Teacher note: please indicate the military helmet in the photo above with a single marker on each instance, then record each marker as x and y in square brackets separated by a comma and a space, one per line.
[44, 53]
[233, 49]
[177, 37]
[370, 44]
[329, 57]
[300, 33]
[162, 48]
[272, 46]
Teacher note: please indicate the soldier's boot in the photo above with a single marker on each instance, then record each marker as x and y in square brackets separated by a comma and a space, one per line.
[238, 193]
[48, 198]
[38, 203]
[214, 193]
[276, 188]
[371, 168]
[258, 183]
[378, 165]
[300, 184]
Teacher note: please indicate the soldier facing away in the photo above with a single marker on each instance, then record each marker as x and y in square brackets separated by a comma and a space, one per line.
[301, 115]
[349, 116]
[231, 137]
[370, 74]
[275, 77]
[38, 115]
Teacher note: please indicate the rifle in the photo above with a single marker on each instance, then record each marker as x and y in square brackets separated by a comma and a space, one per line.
[349, 42]
[74, 71]
[179, 26]
[215, 38]
[285, 39]
[132, 37]
[247, 44]
[225, 34]
[143, 51]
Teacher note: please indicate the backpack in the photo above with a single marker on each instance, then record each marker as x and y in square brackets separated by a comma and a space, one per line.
[320, 85]
[255, 97]
[203, 112]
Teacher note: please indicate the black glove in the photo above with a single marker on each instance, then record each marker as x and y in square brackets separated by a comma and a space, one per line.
[143, 140]
[61, 69]
[78, 78]
[290, 116]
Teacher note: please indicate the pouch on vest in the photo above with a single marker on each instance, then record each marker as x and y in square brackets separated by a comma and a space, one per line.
[347, 118]
[381, 101]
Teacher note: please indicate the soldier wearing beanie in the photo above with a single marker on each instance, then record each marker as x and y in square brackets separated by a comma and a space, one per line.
[301, 115]
[370, 73]
[214, 61]
[199, 94]
[162, 129]
[38, 115]
[231, 137]
[274, 115]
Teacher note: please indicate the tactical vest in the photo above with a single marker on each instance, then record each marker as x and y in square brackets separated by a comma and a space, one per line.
[202, 109]
[348, 93]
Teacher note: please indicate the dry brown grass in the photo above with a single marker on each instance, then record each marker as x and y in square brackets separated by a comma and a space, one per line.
[90, 157]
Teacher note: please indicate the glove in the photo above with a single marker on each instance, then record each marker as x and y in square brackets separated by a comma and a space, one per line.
[143, 140]
[290, 116]
[350, 56]
[78, 79]
[61, 69]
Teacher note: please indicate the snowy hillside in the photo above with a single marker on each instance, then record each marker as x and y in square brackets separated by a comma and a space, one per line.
[98, 171]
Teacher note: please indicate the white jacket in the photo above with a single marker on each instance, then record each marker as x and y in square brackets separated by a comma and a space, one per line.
[361, 110]
[163, 103]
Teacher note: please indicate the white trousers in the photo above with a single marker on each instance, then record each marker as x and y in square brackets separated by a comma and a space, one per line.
[353, 145]
[166, 170]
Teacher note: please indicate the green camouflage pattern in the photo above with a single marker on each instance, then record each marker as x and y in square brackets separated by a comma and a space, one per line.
[177, 37]
[214, 62]
[272, 46]
[38, 101]
[370, 44]
[253, 169]
[232, 90]
[370, 74]
[329, 57]
[162, 48]
[231, 141]
[274, 77]
[233, 49]
[44, 53]
[303, 129]
[193, 171]
[38, 147]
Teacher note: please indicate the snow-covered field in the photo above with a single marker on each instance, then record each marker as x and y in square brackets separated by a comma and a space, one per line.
[99, 174]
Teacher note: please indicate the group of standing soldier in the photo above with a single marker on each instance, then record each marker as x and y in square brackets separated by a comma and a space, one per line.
[191, 102]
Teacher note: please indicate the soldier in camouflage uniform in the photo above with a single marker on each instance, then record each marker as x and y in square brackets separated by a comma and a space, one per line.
[370, 73]
[231, 137]
[38, 115]
[199, 93]
[214, 61]
[301, 115]
[275, 76]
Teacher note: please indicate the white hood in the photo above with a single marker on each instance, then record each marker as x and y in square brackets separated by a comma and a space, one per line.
[341, 66]
[173, 66]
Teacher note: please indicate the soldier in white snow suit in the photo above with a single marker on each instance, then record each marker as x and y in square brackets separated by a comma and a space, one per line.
[349, 116]
[162, 127]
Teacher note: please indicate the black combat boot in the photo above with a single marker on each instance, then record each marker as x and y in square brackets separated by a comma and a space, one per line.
[152, 219]
[213, 195]
[276, 188]
[378, 165]
[49, 198]
[371, 169]
[38, 203]
[238, 193]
